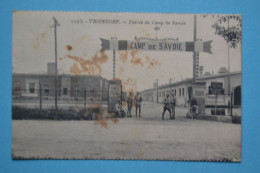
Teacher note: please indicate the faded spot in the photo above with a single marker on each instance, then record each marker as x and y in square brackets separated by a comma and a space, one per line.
[89, 66]
[128, 85]
[147, 59]
[43, 35]
[123, 55]
[137, 61]
[84, 54]
[38, 40]
[120, 70]
[74, 69]
[84, 37]
[60, 70]
[113, 118]
[100, 119]
[165, 42]
[69, 47]
[153, 63]
[134, 59]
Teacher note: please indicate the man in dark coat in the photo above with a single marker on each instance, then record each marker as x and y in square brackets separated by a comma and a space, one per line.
[129, 101]
[138, 100]
[172, 105]
[166, 106]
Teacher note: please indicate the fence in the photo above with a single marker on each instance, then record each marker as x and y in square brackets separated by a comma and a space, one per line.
[45, 98]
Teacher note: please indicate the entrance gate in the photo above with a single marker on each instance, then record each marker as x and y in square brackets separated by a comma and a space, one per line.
[198, 88]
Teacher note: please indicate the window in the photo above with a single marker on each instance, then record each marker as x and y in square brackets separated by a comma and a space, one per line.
[183, 91]
[31, 87]
[65, 91]
[216, 88]
[179, 91]
[46, 90]
[76, 90]
[17, 87]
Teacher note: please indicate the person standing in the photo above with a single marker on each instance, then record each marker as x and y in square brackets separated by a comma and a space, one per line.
[166, 106]
[194, 107]
[118, 108]
[129, 101]
[172, 104]
[138, 100]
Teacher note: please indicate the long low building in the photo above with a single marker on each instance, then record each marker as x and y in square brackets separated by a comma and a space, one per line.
[69, 87]
[222, 100]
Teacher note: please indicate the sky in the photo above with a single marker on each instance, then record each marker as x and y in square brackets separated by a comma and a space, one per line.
[79, 44]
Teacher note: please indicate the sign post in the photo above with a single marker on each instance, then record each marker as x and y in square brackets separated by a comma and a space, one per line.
[114, 94]
[198, 91]
[216, 88]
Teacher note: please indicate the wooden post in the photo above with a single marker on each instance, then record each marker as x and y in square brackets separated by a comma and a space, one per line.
[85, 97]
[40, 87]
[195, 54]
[216, 98]
[56, 62]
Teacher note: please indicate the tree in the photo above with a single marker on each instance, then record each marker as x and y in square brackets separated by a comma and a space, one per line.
[232, 34]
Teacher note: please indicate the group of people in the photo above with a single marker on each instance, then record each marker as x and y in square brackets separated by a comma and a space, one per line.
[137, 102]
[169, 103]
[130, 100]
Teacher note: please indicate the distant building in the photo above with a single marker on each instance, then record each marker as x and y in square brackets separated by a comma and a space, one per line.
[222, 70]
[69, 87]
[180, 89]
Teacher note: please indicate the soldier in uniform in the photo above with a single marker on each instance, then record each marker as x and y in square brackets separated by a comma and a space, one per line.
[194, 107]
[172, 105]
[118, 108]
[166, 106]
[129, 101]
[138, 100]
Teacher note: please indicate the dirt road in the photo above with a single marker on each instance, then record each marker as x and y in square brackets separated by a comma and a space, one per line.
[148, 137]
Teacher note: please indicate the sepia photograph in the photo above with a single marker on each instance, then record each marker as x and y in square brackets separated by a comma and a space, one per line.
[126, 86]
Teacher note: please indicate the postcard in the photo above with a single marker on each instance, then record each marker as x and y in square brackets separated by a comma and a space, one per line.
[128, 86]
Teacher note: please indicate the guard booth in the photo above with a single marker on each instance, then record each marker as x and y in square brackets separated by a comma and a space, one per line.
[197, 90]
[114, 94]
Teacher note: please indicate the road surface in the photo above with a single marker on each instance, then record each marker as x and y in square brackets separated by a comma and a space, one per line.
[147, 137]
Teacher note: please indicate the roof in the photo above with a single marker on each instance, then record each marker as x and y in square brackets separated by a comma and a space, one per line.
[220, 75]
[53, 75]
[190, 80]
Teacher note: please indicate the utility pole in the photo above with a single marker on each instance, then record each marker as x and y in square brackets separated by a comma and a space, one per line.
[170, 80]
[56, 62]
[40, 87]
[228, 63]
[157, 83]
[230, 96]
[135, 86]
[195, 54]
[85, 97]
[114, 64]
[114, 45]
